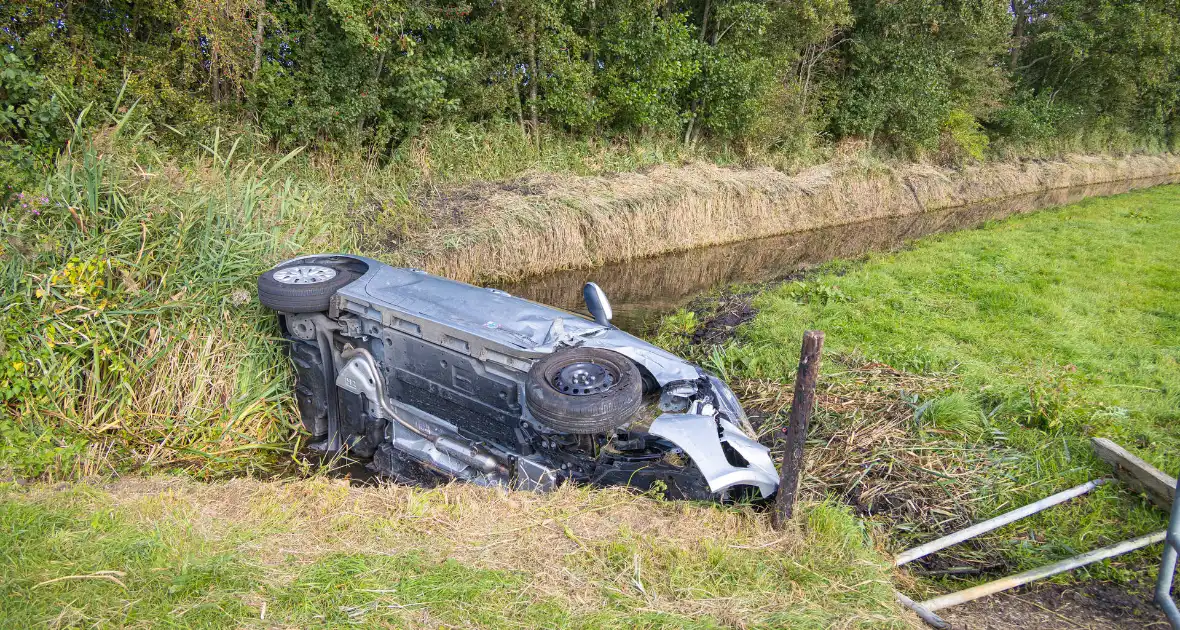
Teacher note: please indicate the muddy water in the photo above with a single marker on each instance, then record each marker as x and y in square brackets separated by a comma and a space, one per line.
[641, 291]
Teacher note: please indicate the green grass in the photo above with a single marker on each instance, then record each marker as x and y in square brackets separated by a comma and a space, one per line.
[1052, 328]
[165, 555]
[130, 341]
[163, 578]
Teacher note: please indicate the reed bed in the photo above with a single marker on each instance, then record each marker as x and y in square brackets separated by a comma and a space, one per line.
[131, 335]
[543, 222]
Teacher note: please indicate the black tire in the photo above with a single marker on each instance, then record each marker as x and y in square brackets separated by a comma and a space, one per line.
[576, 411]
[312, 297]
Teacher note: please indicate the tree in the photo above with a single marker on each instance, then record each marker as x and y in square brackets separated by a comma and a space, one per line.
[1115, 63]
[222, 32]
[911, 63]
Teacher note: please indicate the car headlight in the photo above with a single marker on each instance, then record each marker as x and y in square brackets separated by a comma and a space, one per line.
[727, 401]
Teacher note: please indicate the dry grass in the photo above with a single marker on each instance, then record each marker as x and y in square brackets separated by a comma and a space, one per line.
[579, 546]
[545, 222]
[185, 406]
[867, 450]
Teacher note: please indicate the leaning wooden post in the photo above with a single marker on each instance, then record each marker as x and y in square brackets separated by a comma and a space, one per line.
[801, 406]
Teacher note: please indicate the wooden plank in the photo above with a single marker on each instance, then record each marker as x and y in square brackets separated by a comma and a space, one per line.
[1136, 473]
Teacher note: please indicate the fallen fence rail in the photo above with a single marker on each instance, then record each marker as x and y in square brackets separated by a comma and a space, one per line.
[909, 555]
[931, 619]
[1133, 472]
[1012, 581]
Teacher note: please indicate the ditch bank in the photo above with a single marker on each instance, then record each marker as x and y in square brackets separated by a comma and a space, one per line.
[643, 290]
[490, 232]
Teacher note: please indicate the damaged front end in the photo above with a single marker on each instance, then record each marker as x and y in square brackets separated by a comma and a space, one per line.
[706, 429]
[418, 373]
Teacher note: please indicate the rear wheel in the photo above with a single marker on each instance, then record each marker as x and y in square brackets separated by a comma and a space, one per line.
[302, 286]
[584, 390]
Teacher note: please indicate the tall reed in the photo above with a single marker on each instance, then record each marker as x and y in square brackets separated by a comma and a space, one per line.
[131, 336]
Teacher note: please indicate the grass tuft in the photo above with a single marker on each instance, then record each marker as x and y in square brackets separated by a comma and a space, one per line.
[953, 413]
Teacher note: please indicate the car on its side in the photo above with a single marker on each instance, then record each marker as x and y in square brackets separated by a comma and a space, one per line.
[414, 372]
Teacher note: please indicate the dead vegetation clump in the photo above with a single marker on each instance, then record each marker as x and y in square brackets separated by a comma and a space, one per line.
[543, 222]
[866, 449]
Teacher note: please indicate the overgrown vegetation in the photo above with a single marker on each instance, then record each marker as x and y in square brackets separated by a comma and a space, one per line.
[964, 376]
[774, 81]
[130, 334]
[151, 552]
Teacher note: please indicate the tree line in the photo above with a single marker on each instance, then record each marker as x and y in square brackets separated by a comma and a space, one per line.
[915, 76]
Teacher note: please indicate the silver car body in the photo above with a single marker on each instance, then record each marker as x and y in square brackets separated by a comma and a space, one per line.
[505, 335]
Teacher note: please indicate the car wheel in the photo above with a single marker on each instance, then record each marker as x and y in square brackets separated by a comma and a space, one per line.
[584, 390]
[302, 287]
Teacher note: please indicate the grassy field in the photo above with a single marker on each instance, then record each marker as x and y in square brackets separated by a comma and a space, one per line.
[964, 375]
[157, 552]
[962, 378]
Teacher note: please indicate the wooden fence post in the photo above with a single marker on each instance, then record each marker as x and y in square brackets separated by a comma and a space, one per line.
[801, 407]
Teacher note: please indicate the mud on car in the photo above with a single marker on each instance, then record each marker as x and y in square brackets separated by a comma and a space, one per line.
[415, 372]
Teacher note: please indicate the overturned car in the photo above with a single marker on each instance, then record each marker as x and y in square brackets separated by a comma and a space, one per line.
[406, 369]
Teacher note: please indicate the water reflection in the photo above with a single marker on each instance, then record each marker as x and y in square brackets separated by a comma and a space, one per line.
[642, 290]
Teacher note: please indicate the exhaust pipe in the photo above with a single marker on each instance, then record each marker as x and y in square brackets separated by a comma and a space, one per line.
[456, 447]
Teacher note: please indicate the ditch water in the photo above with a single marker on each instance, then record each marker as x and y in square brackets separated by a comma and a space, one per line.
[641, 291]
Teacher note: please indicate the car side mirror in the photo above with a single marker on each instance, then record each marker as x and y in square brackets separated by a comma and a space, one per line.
[597, 303]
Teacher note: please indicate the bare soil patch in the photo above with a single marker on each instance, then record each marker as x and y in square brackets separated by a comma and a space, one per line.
[725, 314]
[1088, 605]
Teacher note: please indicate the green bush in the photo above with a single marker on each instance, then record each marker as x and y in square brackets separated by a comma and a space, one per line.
[30, 125]
[963, 138]
[1045, 75]
[911, 63]
[1030, 118]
